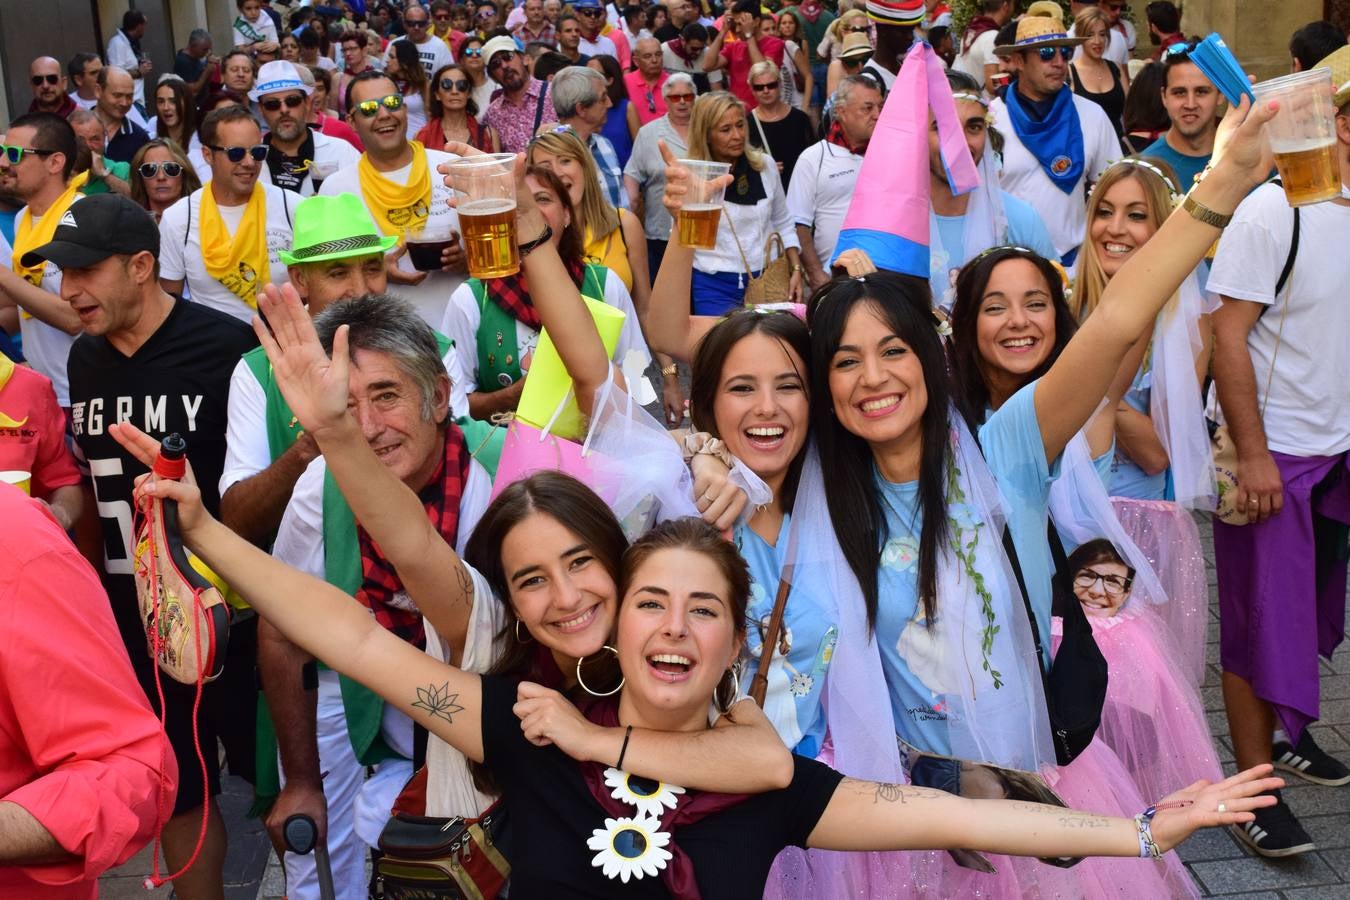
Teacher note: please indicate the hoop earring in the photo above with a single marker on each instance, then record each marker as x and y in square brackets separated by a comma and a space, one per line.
[725, 709]
[587, 689]
[519, 639]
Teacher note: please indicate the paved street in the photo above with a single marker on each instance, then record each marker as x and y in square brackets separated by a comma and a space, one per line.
[1220, 865]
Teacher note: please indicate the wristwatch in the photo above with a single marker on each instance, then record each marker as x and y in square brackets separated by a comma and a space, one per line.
[1202, 213]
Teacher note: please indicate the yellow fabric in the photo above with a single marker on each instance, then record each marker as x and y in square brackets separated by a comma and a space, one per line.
[397, 208]
[240, 263]
[611, 252]
[6, 370]
[28, 236]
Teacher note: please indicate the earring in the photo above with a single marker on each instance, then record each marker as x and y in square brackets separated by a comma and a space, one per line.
[587, 689]
[519, 639]
[735, 691]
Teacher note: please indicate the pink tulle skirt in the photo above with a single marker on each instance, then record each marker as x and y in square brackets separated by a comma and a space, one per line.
[1166, 534]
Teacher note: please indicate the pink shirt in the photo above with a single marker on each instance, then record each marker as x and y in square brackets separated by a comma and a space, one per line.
[33, 431]
[739, 63]
[515, 123]
[80, 749]
[644, 97]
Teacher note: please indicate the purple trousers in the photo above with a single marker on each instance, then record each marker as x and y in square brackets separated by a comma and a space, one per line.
[1282, 587]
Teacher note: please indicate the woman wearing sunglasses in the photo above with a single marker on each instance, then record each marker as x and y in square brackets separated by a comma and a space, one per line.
[472, 62]
[161, 176]
[454, 114]
[778, 128]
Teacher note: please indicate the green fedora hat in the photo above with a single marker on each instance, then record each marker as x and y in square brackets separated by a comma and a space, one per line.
[333, 228]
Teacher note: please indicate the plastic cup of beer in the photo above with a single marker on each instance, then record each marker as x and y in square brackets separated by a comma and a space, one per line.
[487, 213]
[1303, 135]
[701, 211]
[427, 242]
[21, 480]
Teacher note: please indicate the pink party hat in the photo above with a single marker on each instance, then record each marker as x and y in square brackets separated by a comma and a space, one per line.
[888, 216]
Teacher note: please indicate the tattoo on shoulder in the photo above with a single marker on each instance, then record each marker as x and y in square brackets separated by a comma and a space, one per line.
[438, 702]
[465, 583]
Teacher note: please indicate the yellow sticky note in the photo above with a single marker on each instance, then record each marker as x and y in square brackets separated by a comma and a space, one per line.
[548, 382]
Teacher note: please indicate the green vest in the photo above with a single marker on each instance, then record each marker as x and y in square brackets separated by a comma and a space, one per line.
[498, 352]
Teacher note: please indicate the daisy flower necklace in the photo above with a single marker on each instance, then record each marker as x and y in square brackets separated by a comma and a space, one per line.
[634, 846]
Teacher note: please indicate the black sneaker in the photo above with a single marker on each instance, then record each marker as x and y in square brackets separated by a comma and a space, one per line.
[1310, 762]
[1275, 833]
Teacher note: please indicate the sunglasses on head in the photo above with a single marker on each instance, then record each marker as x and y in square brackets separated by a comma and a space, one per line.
[273, 104]
[50, 79]
[1179, 49]
[170, 169]
[455, 84]
[1048, 53]
[371, 108]
[766, 86]
[237, 154]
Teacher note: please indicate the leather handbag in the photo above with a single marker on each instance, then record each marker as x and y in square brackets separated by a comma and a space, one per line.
[433, 858]
[774, 281]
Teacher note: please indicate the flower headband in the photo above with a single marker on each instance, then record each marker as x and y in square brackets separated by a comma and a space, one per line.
[1141, 163]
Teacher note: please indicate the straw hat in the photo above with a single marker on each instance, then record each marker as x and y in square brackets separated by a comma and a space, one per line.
[1048, 9]
[1034, 32]
[856, 44]
[1339, 64]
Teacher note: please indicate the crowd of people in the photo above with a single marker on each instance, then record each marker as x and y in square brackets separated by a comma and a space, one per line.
[871, 524]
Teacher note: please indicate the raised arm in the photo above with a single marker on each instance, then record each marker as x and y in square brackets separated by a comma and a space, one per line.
[1071, 391]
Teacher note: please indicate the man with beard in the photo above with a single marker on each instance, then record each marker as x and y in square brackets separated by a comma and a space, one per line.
[1192, 104]
[49, 88]
[295, 152]
[524, 103]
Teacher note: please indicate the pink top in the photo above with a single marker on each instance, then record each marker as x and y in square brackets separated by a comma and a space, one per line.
[644, 96]
[81, 750]
[33, 431]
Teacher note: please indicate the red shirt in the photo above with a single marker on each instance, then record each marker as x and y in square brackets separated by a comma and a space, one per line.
[739, 63]
[33, 430]
[80, 749]
[639, 92]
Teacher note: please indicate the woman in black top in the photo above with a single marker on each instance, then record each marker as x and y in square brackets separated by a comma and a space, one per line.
[780, 130]
[1093, 77]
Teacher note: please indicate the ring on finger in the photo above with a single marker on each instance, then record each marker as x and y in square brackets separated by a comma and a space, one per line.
[1223, 807]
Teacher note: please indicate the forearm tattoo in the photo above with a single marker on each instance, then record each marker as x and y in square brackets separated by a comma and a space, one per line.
[438, 702]
[883, 792]
[1067, 818]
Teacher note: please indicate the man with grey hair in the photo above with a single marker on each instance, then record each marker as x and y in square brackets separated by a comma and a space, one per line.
[644, 178]
[195, 63]
[582, 104]
[822, 183]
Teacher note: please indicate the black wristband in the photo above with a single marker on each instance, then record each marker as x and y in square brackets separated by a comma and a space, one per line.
[528, 246]
[623, 751]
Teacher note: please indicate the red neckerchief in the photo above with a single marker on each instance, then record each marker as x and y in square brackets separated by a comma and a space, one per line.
[513, 295]
[440, 498]
[837, 137]
[978, 26]
[691, 806]
[676, 46]
[810, 11]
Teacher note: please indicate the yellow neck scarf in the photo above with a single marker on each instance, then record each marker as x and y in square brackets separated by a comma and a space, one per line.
[28, 236]
[239, 263]
[6, 370]
[397, 208]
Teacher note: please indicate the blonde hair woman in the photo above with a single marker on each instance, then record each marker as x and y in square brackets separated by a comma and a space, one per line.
[1093, 77]
[754, 208]
[852, 21]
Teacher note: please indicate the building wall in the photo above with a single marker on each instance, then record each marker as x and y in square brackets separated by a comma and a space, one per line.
[1258, 33]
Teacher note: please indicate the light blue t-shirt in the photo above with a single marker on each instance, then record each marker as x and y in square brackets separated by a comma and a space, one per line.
[793, 701]
[1011, 440]
[1025, 229]
[1127, 479]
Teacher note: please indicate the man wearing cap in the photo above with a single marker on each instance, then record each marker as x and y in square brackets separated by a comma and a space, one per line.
[524, 103]
[163, 365]
[1192, 104]
[591, 15]
[976, 57]
[1055, 142]
[49, 88]
[400, 183]
[294, 150]
[431, 50]
[223, 241]
[1280, 369]
[745, 48]
[43, 178]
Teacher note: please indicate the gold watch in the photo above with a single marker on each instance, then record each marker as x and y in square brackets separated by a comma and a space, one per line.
[1202, 213]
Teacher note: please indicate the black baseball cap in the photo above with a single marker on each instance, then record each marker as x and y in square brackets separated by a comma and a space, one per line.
[95, 228]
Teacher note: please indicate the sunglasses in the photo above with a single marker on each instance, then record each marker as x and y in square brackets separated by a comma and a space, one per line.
[473, 51]
[50, 79]
[1181, 48]
[486, 13]
[590, 13]
[455, 84]
[237, 154]
[766, 86]
[371, 108]
[679, 98]
[15, 154]
[858, 29]
[651, 102]
[1114, 585]
[500, 58]
[170, 169]
[273, 104]
[415, 23]
[1048, 53]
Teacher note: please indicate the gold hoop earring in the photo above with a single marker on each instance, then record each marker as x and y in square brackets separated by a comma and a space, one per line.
[735, 691]
[519, 639]
[587, 689]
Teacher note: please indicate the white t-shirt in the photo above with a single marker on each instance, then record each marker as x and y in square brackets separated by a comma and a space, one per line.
[1065, 215]
[431, 295]
[46, 347]
[334, 151]
[121, 55]
[463, 315]
[433, 53]
[1117, 48]
[247, 451]
[981, 54]
[180, 251]
[752, 225]
[263, 26]
[887, 79]
[1308, 410]
[820, 191]
[83, 103]
[601, 44]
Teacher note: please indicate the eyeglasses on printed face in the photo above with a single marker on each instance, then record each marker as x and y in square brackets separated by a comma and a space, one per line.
[1114, 585]
[15, 154]
[49, 78]
[237, 154]
[273, 104]
[455, 84]
[170, 169]
[1048, 53]
[766, 86]
[371, 108]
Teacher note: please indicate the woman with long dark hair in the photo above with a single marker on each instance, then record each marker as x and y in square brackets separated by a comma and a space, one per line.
[404, 67]
[453, 113]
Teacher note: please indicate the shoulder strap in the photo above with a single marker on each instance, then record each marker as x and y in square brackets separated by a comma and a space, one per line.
[188, 228]
[539, 108]
[763, 138]
[1293, 252]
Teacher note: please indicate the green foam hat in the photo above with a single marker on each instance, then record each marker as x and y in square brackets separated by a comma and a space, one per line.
[333, 228]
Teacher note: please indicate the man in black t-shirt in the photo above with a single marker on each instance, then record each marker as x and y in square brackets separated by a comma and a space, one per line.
[163, 365]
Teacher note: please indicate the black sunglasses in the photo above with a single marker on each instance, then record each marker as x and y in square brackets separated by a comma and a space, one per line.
[455, 84]
[50, 79]
[858, 29]
[415, 23]
[237, 154]
[766, 86]
[170, 169]
[273, 104]
[500, 58]
[15, 154]
[1048, 53]
[589, 13]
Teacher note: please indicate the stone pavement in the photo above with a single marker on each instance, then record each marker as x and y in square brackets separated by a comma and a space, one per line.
[1221, 866]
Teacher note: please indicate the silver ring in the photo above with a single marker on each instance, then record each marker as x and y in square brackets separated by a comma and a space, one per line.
[1223, 807]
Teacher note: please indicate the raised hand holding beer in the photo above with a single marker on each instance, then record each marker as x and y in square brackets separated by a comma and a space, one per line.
[694, 189]
[487, 211]
[1240, 145]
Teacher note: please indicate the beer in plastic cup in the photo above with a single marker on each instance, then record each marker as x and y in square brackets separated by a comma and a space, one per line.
[427, 242]
[1303, 135]
[21, 480]
[487, 213]
[699, 215]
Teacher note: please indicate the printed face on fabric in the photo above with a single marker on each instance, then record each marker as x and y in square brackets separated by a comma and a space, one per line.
[1102, 588]
[1015, 330]
[388, 407]
[762, 409]
[877, 383]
